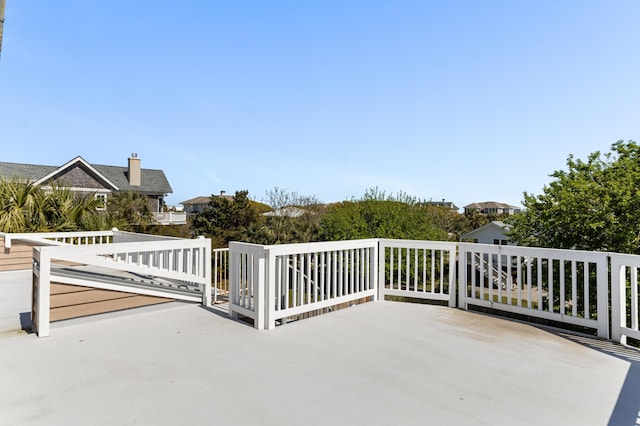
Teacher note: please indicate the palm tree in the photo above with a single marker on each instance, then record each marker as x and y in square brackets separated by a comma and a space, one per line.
[66, 210]
[27, 208]
[21, 207]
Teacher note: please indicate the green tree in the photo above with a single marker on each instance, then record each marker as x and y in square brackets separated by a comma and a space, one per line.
[225, 220]
[454, 223]
[593, 205]
[377, 215]
[65, 210]
[130, 211]
[27, 208]
[20, 206]
[295, 218]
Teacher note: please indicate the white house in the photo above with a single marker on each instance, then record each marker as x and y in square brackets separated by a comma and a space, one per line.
[491, 233]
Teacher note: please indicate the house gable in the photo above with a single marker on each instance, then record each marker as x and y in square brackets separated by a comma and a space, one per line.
[78, 174]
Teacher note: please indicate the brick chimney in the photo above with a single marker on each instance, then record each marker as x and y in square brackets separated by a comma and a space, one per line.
[134, 170]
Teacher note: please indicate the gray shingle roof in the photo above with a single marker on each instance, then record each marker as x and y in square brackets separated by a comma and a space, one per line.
[30, 172]
[151, 182]
[202, 200]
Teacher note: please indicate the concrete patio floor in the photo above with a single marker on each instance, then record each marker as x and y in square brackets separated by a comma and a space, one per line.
[379, 363]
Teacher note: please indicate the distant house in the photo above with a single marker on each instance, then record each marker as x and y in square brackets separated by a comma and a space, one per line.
[492, 207]
[443, 203]
[290, 211]
[197, 204]
[102, 181]
[491, 233]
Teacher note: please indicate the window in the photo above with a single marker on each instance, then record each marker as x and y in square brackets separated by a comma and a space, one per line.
[103, 201]
[496, 241]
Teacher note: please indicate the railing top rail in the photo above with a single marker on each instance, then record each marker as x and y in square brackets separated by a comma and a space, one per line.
[303, 248]
[111, 248]
[567, 254]
[170, 214]
[16, 235]
[255, 249]
[445, 245]
[626, 259]
[143, 237]
[42, 237]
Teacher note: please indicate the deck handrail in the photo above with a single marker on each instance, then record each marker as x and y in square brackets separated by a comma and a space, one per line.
[564, 286]
[184, 260]
[271, 283]
[551, 284]
[57, 238]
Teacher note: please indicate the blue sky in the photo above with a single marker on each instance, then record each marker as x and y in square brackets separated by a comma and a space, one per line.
[462, 100]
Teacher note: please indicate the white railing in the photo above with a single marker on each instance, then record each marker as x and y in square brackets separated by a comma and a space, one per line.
[171, 218]
[308, 277]
[81, 238]
[58, 238]
[418, 269]
[186, 261]
[271, 283]
[247, 276]
[568, 286]
[624, 297]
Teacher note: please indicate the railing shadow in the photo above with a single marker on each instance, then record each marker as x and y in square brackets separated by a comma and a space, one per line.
[627, 408]
[25, 322]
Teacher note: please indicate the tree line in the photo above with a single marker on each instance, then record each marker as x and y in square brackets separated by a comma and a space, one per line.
[296, 218]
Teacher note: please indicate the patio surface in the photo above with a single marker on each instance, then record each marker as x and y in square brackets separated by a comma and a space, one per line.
[378, 363]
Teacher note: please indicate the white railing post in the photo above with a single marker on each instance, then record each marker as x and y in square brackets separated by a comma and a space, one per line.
[270, 293]
[625, 301]
[205, 258]
[382, 261]
[452, 276]
[43, 291]
[259, 281]
[618, 301]
[462, 277]
[374, 260]
[602, 301]
[7, 241]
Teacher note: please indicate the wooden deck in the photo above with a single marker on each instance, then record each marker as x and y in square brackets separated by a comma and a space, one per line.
[73, 301]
